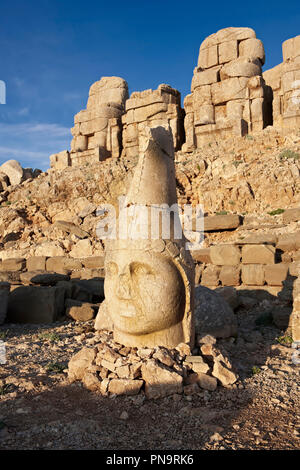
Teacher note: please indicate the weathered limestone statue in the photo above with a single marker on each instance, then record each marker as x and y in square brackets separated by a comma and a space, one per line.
[149, 280]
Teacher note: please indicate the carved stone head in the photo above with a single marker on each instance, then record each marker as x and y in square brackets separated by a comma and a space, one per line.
[149, 282]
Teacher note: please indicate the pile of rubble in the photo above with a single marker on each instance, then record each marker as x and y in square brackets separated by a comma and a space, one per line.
[112, 369]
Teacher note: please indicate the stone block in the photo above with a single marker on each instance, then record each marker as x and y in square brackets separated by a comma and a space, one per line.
[291, 48]
[28, 304]
[207, 382]
[228, 51]
[36, 263]
[230, 275]
[60, 161]
[13, 264]
[223, 374]
[208, 57]
[231, 89]
[228, 34]
[83, 312]
[210, 276]
[228, 255]
[253, 274]
[204, 115]
[257, 106]
[253, 49]
[289, 242]
[275, 274]
[202, 255]
[125, 386]
[240, 67]
[258, 254]
[215, 223]
[62, 264]
[160, 380]
[93, 262]
[294, 268]
[205, 77]
[291, 215]
[201, 96]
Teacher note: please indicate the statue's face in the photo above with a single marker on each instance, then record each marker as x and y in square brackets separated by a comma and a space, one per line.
[144, 291]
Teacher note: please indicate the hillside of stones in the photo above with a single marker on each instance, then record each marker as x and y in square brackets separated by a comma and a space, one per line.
[250, 176]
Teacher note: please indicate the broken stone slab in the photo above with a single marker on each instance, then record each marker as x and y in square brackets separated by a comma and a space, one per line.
[81, 313]
[289, 242]
[69, 227]
[224, 375]
[91, 381]
[206, 339]
[160, 381]
[80, 362]
[30, 304]
[215, 223]
[213, 315]
[43, 278]
[210, 275]
[125, 386]
[13, 264]
[82, 249]
[4, 293]
[199, 366]
[207, 382]
[291, 215]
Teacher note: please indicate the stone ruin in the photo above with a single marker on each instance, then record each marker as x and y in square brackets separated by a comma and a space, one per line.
[152, 108]
[97, 131]
[230, 96]
[284, 80]
[228, 91]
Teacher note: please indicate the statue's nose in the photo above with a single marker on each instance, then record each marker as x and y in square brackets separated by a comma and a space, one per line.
[124, 287]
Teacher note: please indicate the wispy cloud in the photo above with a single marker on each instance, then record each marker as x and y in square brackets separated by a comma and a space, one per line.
[32, 143]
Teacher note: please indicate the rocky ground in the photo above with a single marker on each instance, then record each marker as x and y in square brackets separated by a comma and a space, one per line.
[40, 409]
[252, 175]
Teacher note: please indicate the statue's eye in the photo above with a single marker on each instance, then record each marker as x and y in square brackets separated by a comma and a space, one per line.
[140, 269]
[111, 269]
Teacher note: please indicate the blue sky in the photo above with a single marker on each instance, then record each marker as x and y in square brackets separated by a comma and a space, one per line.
[52, 51]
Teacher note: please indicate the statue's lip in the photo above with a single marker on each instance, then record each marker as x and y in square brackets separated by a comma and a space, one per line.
[128, 314]
[129, 311]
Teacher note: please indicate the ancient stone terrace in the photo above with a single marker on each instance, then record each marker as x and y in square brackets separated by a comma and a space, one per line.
[230, 96]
